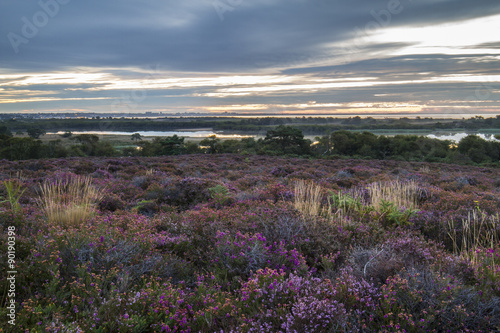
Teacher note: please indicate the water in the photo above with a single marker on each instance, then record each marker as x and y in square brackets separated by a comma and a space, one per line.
[188, 134]
[456, 137]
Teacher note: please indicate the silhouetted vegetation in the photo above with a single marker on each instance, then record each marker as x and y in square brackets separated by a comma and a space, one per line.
[308, 125]
[280, 141]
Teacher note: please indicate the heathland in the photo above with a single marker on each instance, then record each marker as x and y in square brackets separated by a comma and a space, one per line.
[234, 243]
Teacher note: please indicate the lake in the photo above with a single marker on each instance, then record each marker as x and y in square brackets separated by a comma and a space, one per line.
[206, 133]
[187, 134]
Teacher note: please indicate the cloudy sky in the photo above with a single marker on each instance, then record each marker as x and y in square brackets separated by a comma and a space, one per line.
[251, 56]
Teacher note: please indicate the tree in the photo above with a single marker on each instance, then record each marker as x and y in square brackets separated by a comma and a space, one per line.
[90, 146]
[67, 134]
[344, 142]
[36, 132]
[19, 148]
[172, 145]
[211, 143]
[475, 148]
[5, 131]
[289, 140]
[136, 137]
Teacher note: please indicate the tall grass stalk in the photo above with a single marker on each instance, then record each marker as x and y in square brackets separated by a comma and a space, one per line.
[479, 231]
[69, 202]
[307, 198]
[14, 193]
[401, 194]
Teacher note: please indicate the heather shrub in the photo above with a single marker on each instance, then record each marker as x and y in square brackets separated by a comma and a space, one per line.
[301, 175]
[170, 253]
[290, 304]
[142, 181]
[360, 299]
[379, 263]
[237, 255]
[284, 227]
[276, 192]
[375, 264]
[188, 192]
[348, 173]
[281, 171]
[111, 202]
[417, 300]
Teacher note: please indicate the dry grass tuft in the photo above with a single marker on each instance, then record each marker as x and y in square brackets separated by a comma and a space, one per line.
[308, 198]
[479, 231]
[69, 202]
[401, 194]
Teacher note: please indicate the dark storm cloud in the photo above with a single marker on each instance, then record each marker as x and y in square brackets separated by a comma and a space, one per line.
[139, 41]
[206, 35]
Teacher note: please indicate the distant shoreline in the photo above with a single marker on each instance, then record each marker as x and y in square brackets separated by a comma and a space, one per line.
[145, 115]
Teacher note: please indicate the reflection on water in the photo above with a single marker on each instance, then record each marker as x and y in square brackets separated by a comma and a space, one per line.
[459, 136]
[189, 134]
[204, 134]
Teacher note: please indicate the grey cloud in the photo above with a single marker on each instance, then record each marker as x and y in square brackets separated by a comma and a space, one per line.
[129, 38]
[190, 36]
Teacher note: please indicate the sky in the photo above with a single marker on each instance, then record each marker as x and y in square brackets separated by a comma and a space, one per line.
[331, 57]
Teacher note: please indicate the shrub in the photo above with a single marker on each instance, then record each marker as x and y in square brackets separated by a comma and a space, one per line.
[111, 202]
[422, 300]
[188, 192]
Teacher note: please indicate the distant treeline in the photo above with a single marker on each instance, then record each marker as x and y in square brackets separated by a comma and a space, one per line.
[308, 125]
[281, 140]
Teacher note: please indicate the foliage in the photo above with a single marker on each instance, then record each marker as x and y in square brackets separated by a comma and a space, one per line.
[211, 144]
[392, 215]
[214, 242]
[14, 193]
[220, 195]
[288, 140]
[136, 137]
[280, 140]
[35, 132]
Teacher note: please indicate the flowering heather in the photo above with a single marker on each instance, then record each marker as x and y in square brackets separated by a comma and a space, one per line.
[216, 243]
